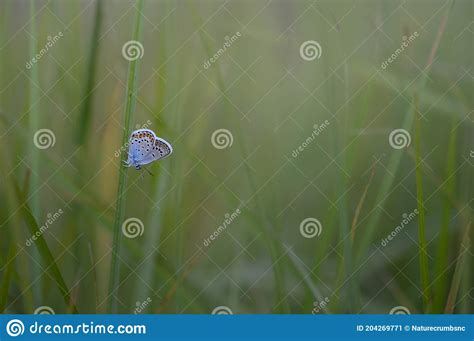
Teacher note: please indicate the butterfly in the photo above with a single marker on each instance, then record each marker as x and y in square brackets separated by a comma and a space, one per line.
[145, 147]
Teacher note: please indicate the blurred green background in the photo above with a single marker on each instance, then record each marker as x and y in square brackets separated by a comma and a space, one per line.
[300, 214]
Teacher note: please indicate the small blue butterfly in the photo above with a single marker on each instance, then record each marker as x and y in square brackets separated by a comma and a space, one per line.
[145, 147]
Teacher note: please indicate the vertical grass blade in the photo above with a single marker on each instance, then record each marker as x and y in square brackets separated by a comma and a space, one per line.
[342, 186]
[159, 183]
[130, 103]
[423, 252]
[86, 112]
[7, 274]
[395, 158]
[34, 121]
[460, 265]
[440, 284]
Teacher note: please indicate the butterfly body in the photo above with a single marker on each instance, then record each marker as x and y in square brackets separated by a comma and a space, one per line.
[145, 147]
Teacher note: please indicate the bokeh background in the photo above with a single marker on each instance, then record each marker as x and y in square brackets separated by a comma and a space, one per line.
[287, 150]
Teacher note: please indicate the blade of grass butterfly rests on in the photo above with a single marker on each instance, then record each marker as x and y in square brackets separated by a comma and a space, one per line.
[159, 183]
[46, 256]
[130, 102]
[460, 264]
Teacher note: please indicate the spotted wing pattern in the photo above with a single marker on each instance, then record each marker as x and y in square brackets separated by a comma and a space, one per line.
[145, 148]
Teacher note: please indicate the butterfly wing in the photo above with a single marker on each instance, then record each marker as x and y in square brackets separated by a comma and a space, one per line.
[143, 132]
[160, 149]
[141, 144]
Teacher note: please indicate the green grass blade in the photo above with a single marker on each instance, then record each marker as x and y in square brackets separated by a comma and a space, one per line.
[440, 285]
[34, 119]
[45, 253]
[130, 103]
[304, 273]
[7, 274]
[395, 158]
[86, 109]
[460, 265]
[423, 252]
[34, 126]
